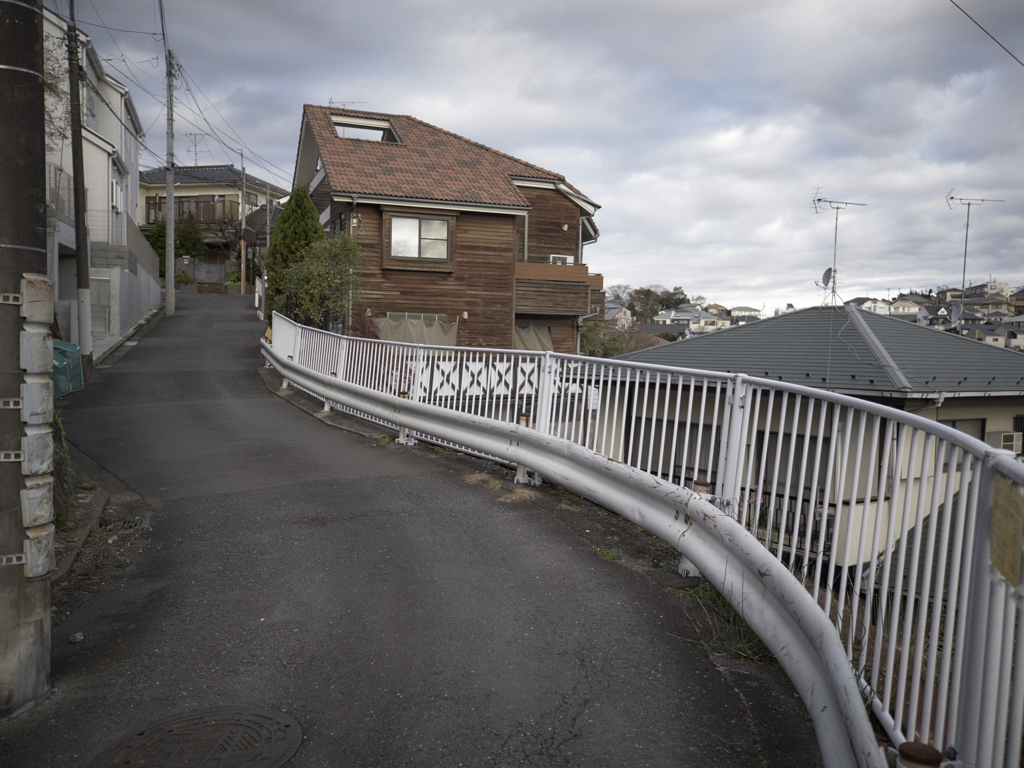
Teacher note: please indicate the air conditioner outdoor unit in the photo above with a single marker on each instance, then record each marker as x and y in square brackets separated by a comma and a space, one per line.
[560, 259]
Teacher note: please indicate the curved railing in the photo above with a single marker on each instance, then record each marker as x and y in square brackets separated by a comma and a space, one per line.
[855, 539]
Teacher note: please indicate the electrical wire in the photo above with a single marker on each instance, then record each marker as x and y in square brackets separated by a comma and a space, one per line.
[224, 138]
[254, 154]
[965, 13]
[154, 35]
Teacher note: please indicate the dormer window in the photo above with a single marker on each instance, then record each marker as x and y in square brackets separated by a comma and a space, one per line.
[365, 128]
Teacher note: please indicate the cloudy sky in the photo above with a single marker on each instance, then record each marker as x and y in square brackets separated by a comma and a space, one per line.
[702, 128]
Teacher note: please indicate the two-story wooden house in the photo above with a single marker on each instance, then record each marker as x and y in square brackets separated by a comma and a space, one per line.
[452, 231]
[212, 195]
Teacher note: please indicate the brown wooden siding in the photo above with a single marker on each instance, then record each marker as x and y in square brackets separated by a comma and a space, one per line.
[481, 283]
[550, 211]
[566, 273]
[551, 298]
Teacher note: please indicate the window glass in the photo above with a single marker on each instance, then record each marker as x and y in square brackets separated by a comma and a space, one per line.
[419, 238]
[434, 229]
[434, 249]
[405, 236]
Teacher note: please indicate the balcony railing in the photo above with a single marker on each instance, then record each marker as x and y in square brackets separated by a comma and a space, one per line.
[60, 190]
[202, 211]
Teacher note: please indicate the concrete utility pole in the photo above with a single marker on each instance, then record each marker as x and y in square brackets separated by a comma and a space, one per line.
[169, 299]
[78, 177]
[26, 359]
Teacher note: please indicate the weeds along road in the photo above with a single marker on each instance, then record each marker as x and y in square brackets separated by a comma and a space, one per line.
[405, 606]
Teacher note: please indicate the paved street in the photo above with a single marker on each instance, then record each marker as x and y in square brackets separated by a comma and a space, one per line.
[402, 614]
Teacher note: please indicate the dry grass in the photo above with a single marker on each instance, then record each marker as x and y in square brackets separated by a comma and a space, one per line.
[481, 478]
[519, 494]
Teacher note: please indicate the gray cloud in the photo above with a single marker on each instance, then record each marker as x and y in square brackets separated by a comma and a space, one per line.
[701, 128]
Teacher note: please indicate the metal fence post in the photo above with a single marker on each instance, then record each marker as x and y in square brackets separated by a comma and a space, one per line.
[730, 473]
[417, 371]
[975, 718]
[545, 394]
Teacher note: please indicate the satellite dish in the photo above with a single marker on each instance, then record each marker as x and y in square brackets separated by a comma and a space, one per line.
[957, 311]
[826, 278]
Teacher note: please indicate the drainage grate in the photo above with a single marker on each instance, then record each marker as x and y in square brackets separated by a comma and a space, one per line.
[239, 738]
[134, 524]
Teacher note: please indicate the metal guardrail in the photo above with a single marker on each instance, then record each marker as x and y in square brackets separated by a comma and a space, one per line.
[855, 539]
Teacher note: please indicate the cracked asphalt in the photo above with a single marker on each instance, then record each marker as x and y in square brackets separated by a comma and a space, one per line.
[402, 612]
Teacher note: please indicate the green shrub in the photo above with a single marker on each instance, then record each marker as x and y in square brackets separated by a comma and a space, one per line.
[233, 276]
[181, 277]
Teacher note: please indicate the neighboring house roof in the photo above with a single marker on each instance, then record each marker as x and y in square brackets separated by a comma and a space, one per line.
[846, 349]
[610, 312]
[426, 163]
[207, 174]
[745, 311]
[257, 220]
[862, 300]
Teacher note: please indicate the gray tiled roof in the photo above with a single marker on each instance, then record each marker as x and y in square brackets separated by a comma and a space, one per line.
[846, 349]
[206, 174]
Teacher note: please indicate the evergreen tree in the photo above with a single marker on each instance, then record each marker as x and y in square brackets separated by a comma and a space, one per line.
[297, 227]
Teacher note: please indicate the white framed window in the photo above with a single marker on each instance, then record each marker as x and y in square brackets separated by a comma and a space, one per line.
[419, 238]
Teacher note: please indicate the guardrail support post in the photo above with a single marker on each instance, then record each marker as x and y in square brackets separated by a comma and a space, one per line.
[523, 475]
[403, 433]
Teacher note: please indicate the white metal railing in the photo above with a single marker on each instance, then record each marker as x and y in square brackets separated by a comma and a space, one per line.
[882, 518]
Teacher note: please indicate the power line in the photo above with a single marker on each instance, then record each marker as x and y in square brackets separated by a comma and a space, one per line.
[186, 79]
[154, 35]
[233, 131]
[965, 13]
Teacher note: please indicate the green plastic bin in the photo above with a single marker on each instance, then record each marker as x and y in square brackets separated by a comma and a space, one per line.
[67, 368]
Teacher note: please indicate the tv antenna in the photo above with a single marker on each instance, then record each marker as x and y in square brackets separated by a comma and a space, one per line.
[968, 201]
[820, 203]
[196, 138]
[343, 104]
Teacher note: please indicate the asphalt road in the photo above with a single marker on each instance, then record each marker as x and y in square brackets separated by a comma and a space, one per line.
[402, 615]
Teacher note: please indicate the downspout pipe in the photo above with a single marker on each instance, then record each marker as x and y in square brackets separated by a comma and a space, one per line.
[351, 233]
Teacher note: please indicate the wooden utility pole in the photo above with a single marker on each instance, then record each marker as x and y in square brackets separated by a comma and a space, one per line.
[78, 178]
[26, 359]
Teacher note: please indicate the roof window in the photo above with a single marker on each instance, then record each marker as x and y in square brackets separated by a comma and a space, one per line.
[365, 128]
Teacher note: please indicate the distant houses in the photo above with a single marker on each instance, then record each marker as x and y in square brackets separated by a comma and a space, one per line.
[973, 387]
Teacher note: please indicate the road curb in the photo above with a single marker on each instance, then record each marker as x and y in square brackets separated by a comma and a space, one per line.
[315, 408]
[151, 317]
[99, 501]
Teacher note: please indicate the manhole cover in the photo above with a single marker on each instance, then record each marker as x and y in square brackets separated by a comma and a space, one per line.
[221, 738]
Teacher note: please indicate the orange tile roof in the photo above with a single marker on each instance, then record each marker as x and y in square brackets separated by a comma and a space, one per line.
[428, 163]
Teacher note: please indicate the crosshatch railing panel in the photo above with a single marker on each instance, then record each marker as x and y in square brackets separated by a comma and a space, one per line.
[882, 516]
